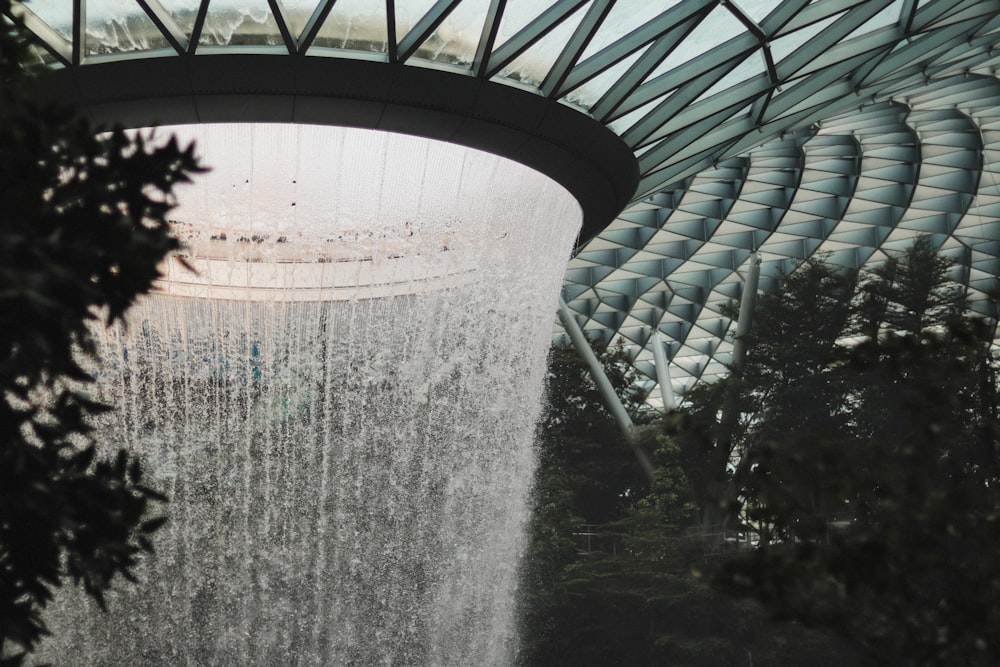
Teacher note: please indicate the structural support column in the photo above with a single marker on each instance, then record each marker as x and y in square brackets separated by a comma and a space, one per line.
[748, 301]
[663, 374]
[604, 386]
[730, 409]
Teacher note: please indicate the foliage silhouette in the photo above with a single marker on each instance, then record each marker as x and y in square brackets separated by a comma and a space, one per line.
[868, 443]
[613, 574]
[82, 230]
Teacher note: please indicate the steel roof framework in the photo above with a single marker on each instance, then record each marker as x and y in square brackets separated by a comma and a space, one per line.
[842, 127]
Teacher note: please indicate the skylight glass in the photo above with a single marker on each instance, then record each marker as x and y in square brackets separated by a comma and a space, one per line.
[115, 26]
[534, 64]
[624, 17]
[298, 13]
[247, 22]
[669, 122]
[757, 9]
[714, 30]
[356, 25]
[785, 45]
[57, 13]
[455, 40]
[751, 66]
[408, 13]
[517, 14]
[590, 92]
[888, 16]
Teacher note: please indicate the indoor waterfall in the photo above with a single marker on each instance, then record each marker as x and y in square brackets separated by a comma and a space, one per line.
[342, 419]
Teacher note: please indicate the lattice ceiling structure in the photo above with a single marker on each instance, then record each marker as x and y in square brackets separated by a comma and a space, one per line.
[789, 127]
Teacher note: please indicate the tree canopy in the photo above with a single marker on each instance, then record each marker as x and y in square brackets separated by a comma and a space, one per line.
[869, 460]
[846, 478]
[614, 575]
[82, 230]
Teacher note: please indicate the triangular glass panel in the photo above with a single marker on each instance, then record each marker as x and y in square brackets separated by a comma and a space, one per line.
[626, 287]
[298, 13]
[516, 15]
[574, 292]
[895, 194]
[532, 66]
[685, 311]
[408, 14]
[610, 301]
[588, 93]
[120, 26]
[785, 45]
[761, 218]
[675, 330]
[811, 228]
[723, 259]
[624, 17]
[456, 39]
[864, 236]
[887, 16]
[701, 230]
[624, 123]
[183, 12]
[633, 237]
[356, 25]
[839, 185]
[250, 24]
[883, 217]
[57, 13]
[751, 66]
[611, 320]
[774, 197]
[757, 9]
[714, 30]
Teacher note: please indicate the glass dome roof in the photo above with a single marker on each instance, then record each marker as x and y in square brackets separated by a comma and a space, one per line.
[786, 126]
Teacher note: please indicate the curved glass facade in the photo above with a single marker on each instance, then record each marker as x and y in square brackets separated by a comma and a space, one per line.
[791, 127]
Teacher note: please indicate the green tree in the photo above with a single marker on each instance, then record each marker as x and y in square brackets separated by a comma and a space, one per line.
[629, 587]
[872, 477]
[794, 399]
[82, 230]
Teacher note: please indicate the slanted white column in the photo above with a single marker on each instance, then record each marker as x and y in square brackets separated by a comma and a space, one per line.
[663, 374]
[604, 386]
[748, 301]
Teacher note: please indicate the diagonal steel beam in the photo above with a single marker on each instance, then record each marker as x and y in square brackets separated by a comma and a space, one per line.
[591, 23]
[531, 33]
[313, 25]
[647, 62]
[424, 28]
[829, 37]
[79, 30]
[283, 28]
[166, 24]
[488, 37]
[46, 36]
[655, 29]
[693, 69]
[199, 25]
[390, 30]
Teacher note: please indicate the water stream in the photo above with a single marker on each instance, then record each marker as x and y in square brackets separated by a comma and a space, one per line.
[348, 477]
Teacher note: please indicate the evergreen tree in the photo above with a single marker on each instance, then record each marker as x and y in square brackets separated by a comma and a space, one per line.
[613, 575]
[870, 468]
